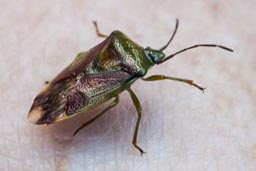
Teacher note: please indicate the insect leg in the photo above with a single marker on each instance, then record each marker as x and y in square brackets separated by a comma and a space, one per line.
[113, 104]
[163, 77]
[97, 30]
[136, 103]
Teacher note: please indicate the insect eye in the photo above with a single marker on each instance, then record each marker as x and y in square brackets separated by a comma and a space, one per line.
[150, 54]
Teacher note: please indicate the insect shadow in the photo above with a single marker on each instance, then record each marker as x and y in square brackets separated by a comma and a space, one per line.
[113, 127]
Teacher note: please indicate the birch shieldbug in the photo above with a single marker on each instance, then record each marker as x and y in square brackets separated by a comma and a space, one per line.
[101, 74]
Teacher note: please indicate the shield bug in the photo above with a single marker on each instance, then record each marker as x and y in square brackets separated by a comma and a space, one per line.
[101, 74]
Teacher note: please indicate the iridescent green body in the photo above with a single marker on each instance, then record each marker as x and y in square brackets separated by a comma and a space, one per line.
[99, 75]
[93, 78]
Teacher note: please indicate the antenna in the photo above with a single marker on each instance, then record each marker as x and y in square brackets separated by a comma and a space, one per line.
[196, 46]
[173, 34]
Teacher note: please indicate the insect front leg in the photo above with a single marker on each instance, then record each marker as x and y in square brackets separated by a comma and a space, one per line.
[163, 77]
[113, 104]
[97, 30]
[137, 105]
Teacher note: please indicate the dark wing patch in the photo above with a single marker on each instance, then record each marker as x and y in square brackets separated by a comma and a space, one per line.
[95, 83]
[79, 65]
[94, 89]
[100, 87]
[75, 101]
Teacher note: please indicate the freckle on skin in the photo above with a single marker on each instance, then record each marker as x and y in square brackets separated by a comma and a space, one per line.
[215, 7]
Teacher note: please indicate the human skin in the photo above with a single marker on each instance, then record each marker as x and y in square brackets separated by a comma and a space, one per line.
[181, 129]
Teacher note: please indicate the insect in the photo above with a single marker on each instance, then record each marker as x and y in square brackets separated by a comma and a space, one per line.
[101, 74]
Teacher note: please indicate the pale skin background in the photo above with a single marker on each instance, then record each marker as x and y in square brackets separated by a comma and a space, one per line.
[182, 128]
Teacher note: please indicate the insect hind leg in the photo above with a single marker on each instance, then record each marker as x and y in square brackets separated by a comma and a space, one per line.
[113, 104]
[137, 105]
[97, 30]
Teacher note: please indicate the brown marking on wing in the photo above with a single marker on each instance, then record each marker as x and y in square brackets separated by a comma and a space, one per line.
[75, 101]
[102, 81]
[69, 71]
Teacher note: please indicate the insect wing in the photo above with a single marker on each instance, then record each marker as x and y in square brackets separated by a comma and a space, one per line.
[81, 62]
[93, 90]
